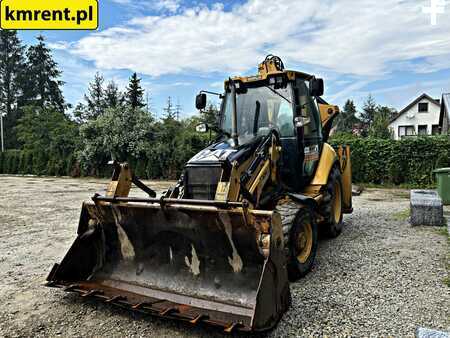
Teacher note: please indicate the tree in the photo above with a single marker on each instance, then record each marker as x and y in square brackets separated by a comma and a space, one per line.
[135, 93]
[380, 125]
[369, 111]
[43, 87]
[47, 130]
[347, 118]
[12, 65]
[95, 102]
[169, 111]
[120, 133]
[113, 97]
[389, 112]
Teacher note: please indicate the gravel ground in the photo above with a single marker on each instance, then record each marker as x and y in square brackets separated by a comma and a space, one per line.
[381, 277]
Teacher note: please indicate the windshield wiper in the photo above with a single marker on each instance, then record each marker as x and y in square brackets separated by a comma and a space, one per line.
[274, 91]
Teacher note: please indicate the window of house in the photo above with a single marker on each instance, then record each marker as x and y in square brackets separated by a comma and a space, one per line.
[423, 107]
[406, 131]
[422, 130]
[436, 129]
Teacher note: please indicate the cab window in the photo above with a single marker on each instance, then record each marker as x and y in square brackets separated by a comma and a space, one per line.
[308, 111]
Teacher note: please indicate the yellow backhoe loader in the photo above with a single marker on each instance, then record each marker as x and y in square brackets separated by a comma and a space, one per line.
[220, 246]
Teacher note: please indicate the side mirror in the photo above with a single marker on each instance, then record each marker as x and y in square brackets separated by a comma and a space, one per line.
[202, 128]
[316, 87]
[200, 101]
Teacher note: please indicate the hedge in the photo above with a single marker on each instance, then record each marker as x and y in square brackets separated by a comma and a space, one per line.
[17, 162]
[409, 161]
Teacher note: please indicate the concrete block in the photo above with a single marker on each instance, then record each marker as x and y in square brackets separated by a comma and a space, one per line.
[428, 333]
[447, 216]
[426, 208]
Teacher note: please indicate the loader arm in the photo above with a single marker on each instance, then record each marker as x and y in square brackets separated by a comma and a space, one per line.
[262, 170]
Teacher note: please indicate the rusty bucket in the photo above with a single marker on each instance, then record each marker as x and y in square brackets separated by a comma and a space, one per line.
[218, 265]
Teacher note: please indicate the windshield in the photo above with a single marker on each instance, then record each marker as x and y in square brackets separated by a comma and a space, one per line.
[258, 111]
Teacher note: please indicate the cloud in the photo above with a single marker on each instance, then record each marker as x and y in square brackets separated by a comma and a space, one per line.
[122, 2]
[348, 90]
[169, 5]
[368, 38]
[59, 45]
[217, 84]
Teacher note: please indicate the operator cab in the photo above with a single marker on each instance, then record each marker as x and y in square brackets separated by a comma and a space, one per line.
[279, 100]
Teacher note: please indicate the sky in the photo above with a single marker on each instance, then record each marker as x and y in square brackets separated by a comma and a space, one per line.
[391, 49]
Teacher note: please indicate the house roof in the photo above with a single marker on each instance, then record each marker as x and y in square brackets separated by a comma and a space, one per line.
[412, 104]
[445, 108]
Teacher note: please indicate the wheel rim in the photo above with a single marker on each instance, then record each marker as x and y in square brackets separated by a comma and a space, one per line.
[337, 203]
[304, 243]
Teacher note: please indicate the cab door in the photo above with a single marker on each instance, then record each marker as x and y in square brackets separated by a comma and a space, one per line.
[309, 130]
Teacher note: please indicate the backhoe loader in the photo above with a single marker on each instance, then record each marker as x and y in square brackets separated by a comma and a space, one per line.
[221, 246]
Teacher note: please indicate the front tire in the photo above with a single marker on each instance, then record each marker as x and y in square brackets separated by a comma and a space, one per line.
[302, 244]
[333, 205]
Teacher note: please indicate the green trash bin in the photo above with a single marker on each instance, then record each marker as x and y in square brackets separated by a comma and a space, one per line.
[443, 184]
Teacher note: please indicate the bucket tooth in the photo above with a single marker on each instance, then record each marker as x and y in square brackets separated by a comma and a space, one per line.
[51, 284]
[115, 299]
[138, 306]
[72, 287]
[198, 319]
[169, 310]
[92, 293]
[230, 328]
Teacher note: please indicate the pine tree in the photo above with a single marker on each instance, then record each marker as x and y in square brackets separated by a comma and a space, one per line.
[369, 111]
[113, 97]
[347, 118]
[135, 93]
[43, 87]
[12, 65]
[95, 101]
[169, 110]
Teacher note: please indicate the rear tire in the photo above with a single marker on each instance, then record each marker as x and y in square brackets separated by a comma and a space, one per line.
[333, 205]
[302, 245]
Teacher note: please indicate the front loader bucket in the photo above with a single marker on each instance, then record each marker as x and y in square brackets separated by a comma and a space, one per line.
[199, 264]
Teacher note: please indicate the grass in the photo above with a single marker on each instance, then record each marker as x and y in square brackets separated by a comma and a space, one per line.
[447, 281]
[444, 232]
[401, 215]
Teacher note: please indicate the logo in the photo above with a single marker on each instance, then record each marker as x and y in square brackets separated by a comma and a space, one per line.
[436, 7]
[49, 14]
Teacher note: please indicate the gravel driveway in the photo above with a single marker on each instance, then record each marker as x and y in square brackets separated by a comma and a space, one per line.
[381, 277]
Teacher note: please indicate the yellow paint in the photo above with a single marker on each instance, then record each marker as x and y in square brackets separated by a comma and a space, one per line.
[346, 169]
[49, 14]
[327, 159]
[266, 170]
[327, 111]
[222, 191]
[337, 207]
[304, 243]
[122, 186]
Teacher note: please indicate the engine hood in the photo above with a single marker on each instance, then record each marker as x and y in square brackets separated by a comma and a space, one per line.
[222, 152]
[214, 154]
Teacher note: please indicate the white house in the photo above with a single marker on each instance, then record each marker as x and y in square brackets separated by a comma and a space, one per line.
[423, 116]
